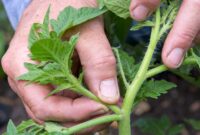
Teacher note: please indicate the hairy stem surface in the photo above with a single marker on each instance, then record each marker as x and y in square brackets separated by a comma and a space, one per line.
[91, 123]
[133, 89]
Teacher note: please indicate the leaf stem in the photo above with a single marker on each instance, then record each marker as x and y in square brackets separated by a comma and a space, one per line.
[91, 123]
[121, 68]
[90, 95]
[155, 71]
[163, 68]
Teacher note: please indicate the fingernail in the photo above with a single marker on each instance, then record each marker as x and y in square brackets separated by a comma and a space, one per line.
[140, 12]
[109, 88]
[99, 112]
[176, 57]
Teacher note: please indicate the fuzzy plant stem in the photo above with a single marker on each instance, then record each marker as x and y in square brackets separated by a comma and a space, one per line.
[163, 68]
[114, 108]
[124, 124]
[92, 123]
[85, 92]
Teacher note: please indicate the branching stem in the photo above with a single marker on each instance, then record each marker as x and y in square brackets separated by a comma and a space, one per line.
[124, 125]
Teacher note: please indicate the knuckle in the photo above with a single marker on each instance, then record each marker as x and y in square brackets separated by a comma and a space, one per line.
[185, 37]
[102, 62]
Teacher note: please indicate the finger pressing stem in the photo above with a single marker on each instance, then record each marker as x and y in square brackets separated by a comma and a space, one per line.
[182, 35]
[141, 9]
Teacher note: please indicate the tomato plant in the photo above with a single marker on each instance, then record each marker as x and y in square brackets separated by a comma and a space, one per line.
[136, 76]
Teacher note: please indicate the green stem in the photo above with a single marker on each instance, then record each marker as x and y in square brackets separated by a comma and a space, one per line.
[121, 68]
[87, 93]
[91, 123]
[163, 68]
[156, 70]
[139, 79]
[125, 125]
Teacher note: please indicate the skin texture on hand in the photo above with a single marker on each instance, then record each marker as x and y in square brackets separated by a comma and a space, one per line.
[95, 55]
[185, 31]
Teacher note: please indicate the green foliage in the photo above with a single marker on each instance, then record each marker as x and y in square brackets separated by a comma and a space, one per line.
[25, 128]
[11, 129]
[54, 63]
[71, 17]
[40, 31]
[54, 54]
[126, 65]
[2, 44]
[2, 51]
[57, 69]
[194, 123]
[185, 71]
[195, 53]
[68, 18]
[154, 89]
[142, 25]
[158, 126]
[126, 69]
[119, 7]
[5, 34]
[116, 29]
[168, 13]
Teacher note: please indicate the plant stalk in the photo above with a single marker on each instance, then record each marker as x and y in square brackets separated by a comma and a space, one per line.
[163, 68]
[125, 128]
[91, 123]
[87, 93]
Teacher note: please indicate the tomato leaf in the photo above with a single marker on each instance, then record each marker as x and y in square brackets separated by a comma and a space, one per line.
[71, 17]
[40, 31]
[119, 7]
[154, 89]
[194, 123]
[158, 126]
[11, 129]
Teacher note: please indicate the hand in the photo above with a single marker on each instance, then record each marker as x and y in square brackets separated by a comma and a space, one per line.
[185, 31]
[96, 58]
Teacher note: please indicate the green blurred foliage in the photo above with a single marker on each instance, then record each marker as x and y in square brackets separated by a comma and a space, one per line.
[6, 33]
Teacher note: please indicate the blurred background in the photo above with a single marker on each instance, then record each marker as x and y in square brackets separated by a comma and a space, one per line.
[178, 105]
[10, 105]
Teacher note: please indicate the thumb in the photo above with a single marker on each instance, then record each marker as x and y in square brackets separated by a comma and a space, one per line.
[98, 61]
